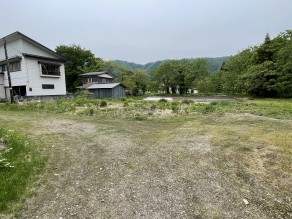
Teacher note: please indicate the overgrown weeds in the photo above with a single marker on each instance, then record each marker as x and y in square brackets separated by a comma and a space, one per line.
[20, 164]
[127, 107]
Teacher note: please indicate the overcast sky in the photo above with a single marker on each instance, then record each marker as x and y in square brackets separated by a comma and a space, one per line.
[143, 31]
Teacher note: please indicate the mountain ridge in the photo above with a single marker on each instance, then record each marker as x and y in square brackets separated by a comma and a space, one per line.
[215, 63]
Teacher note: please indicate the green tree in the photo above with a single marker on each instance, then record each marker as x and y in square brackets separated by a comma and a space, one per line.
[263, 71]
[136, 83]
[79, 61]
[232, 71]
[210, 84]
[179, 75]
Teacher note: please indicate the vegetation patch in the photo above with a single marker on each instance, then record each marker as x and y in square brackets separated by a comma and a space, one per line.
[20, 165]
[127, 107]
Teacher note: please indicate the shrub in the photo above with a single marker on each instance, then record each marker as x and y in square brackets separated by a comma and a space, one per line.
[207, 108]
[162, 100]
[139, 117]
[103, 103]
[175, 108]
[187, 101]
[153, 107]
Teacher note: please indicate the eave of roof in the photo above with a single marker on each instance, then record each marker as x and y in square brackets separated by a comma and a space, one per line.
[103, 86]
[12, 59]
[44, 57]
[95, 73]
[98, 73]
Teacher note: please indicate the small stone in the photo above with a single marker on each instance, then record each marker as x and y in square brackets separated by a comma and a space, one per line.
[101, 168]
[245, 201]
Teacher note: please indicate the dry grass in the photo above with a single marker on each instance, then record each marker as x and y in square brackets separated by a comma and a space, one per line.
[195, 166]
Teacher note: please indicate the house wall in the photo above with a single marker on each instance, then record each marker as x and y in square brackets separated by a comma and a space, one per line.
[119, 92]
[18, 78]
[88, 81]
[116, 92]
[31, 77]
[33, 49]
[102, 93]
[30, 73]
[13, 49]
[35, 80]
[2, 91]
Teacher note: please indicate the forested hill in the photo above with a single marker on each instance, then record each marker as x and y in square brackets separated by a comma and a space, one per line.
[215, 64]
[131, 65]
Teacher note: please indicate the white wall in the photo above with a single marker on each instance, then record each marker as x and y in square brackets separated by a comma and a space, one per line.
[32, 49]
[13, 49]
[30, 74]
[18, 78]
[35, 80]
[2, 91]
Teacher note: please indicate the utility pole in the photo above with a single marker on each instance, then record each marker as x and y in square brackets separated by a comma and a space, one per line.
[8, 71]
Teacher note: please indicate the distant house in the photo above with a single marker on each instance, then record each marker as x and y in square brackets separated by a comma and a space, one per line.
[35, 70]
[102, 85]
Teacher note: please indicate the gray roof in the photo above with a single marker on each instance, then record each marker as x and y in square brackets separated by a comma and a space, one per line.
[94, 73]
[103, 86]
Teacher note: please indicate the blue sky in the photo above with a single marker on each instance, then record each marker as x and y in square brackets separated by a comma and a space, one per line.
[142, 31]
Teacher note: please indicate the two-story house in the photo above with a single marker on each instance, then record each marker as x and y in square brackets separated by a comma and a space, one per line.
[35, 70]
[102, 85]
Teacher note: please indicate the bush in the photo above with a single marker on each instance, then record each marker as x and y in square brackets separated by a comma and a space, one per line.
[163, 100]
[207, 108]
[140, 117]
[187, 101]
[175, 108]
[103, 103]
[153, 107]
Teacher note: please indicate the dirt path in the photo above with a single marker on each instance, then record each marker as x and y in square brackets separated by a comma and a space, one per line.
[159, 169]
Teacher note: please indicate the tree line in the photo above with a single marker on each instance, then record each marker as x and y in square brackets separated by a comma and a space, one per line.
[264, 71]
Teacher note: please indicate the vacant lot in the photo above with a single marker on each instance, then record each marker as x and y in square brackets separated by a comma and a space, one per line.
[201, 165]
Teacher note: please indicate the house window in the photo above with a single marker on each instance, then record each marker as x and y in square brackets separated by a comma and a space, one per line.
[14, 66]
[48, 86]
[103, 80]
[50, 69]
[2, 68]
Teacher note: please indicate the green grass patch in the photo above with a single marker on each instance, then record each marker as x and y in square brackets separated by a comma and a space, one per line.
[25, 164]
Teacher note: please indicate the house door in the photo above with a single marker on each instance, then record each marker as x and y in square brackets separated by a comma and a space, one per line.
[19, 90]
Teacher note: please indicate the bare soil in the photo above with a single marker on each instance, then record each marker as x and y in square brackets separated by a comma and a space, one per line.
[188, 167]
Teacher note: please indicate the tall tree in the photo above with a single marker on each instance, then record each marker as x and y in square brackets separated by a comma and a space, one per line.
[79, 61]
[265, 70]
[136, 83]
[179, 75]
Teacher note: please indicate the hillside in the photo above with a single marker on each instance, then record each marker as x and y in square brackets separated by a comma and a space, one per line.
[215, 64]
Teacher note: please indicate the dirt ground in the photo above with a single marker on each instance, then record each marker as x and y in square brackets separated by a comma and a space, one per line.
[224, 166]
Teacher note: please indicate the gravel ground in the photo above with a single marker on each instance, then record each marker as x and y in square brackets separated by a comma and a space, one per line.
[189, 168]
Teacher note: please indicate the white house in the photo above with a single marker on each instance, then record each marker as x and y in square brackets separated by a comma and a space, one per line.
[35, 70]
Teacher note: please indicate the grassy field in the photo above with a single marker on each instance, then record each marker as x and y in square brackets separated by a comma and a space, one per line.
[130, 158]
